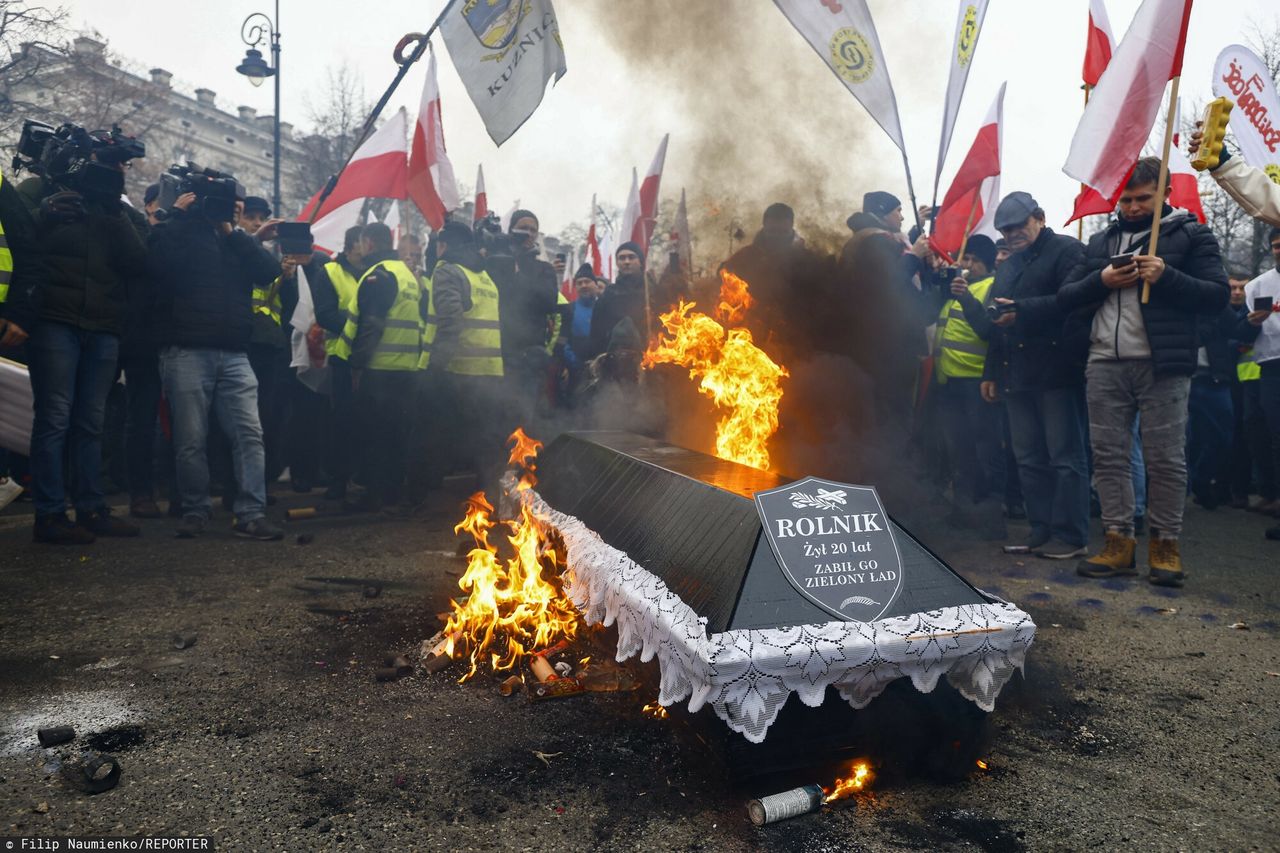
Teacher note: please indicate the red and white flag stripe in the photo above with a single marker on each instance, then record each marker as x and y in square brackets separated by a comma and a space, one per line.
[482, 199]
[649, 196]
[379, 169]
[1099, 45]
[976, 186]
[1123, 106]
[431, 183]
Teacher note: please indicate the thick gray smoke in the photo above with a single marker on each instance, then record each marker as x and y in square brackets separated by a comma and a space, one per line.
[765, 119]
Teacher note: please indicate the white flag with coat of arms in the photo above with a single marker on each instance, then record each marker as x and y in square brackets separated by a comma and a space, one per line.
[845, 37]
[505, 51]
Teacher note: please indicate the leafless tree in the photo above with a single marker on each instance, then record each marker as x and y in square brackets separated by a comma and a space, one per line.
[336, 117]
[25, 25]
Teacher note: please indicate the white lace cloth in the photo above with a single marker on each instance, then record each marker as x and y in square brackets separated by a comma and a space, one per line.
[748, 675]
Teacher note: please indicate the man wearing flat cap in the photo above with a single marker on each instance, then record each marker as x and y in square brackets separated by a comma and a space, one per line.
[1035, 363]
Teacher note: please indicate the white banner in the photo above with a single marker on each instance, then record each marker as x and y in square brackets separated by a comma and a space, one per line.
[1241, 76]
[968, 28]
[505, 51]
[845, 37]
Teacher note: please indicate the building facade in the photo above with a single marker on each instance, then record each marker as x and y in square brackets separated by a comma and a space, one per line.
[86, 87]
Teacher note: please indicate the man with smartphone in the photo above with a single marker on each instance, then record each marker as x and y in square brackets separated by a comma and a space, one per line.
[1034, 365]
[1142, 356]
[1261, 327]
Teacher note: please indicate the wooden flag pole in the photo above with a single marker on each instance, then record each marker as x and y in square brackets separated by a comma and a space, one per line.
[1163, 183]
[968, 225]
[1080, 221]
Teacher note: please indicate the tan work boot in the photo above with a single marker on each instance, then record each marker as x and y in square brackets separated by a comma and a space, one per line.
[1165, 563]
[1116, 559]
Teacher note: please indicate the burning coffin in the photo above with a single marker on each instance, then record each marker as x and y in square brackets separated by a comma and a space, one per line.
[669, 545]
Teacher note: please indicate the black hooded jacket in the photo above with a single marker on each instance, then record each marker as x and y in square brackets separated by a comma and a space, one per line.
[203, 283]
[1193, 287]
[621, 300]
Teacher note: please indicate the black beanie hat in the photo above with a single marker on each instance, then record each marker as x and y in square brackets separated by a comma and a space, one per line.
[521, 214]
[585, 271]
[879, 203]
[983, 248]
[633, 246]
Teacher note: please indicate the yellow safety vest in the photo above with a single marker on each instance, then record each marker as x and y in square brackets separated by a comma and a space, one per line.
[557, 319]
[262, 306]
[480, 345]
[1247, 369]
[401, 343]
[961, 353]
[345, 284]
[6, 261]
[429, 334]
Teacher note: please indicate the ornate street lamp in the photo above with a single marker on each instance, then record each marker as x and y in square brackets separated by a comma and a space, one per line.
[256, 29]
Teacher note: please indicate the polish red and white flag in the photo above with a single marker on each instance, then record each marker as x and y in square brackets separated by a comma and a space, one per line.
[649, 197]
[631, 228]
[1123, 106]
[1099, 45]
[431, 183]
[378, 169]
[482, 200]
[970, 204]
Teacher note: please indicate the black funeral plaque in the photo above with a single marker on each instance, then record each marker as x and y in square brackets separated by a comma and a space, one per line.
[835, 545]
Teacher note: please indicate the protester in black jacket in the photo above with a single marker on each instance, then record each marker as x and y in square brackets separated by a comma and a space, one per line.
[1034, 363]
[91, 251]
[1141, 358]
[204, 273]
[529, 288]
[1210, 411]
[622, 301]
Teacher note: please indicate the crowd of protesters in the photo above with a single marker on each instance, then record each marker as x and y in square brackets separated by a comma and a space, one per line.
[1055, 376]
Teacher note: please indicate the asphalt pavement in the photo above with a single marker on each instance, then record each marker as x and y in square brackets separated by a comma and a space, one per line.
[1146, 720]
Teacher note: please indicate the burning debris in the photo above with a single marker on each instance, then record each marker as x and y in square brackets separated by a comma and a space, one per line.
[513, 606]
[735, 373]
[808, 798]
[859, 777]
[655, 710]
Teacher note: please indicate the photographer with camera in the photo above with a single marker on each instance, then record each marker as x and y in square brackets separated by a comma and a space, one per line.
[204, 272]
[91, 250]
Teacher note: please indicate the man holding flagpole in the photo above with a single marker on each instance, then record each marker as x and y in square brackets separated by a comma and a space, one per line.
[1141, 359]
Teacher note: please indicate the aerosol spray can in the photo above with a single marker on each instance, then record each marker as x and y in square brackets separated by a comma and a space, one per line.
[788, 804]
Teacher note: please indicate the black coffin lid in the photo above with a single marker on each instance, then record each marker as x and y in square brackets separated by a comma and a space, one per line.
[689, 518]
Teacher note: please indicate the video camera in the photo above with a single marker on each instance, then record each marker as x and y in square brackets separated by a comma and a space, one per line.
[490, 238]
[216, 192]
[75, 159]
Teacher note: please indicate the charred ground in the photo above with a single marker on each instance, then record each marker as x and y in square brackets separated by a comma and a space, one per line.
[1134, 727]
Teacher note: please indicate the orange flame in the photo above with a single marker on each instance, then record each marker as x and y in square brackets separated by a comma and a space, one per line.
[736, 374]
[524, 450]
[982, 765]
[512, 607]
[859, 778]
[658, 712]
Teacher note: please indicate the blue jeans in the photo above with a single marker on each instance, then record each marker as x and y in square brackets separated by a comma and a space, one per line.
[1047, 428]
[1139, 467]
[71, 374]
[196, 382]
[1210, 425]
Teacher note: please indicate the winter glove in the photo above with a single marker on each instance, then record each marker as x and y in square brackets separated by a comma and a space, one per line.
[64, 206]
